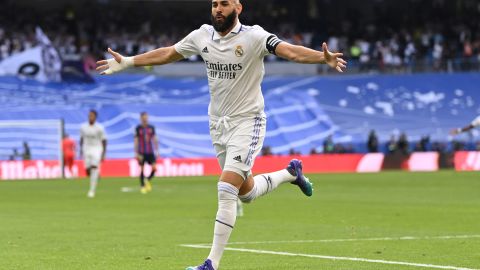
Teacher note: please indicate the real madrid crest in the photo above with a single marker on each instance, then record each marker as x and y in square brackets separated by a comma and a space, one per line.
[239, 51]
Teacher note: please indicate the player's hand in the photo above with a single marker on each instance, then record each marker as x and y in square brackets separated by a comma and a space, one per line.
[115, 64]
[139, 157]
[333, 59]
[456, 131]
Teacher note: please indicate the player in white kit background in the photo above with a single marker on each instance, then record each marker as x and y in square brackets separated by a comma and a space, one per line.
[93, 146]
[233, 54]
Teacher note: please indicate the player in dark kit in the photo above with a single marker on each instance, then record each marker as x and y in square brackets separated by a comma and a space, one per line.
[146, 150]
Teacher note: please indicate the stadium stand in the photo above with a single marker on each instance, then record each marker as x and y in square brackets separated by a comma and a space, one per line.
[414, 35]
[302, 111]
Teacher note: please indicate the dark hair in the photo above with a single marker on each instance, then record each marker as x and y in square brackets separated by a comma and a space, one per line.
[143, 113]
[94, 112]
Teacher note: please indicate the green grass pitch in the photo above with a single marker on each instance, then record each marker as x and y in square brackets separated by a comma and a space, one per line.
[53, 225]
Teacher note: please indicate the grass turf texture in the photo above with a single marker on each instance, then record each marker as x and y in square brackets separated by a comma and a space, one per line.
[52, 225]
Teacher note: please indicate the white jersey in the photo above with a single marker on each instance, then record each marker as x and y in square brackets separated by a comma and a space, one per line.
[234, 66]
[476, 122]
[92, 136]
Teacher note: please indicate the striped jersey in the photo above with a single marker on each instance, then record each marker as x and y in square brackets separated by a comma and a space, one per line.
[234, 65]
[145, 137]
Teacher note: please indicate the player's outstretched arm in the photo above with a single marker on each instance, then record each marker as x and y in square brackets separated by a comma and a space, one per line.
[119, 62]
[306, 55]
[457, 131]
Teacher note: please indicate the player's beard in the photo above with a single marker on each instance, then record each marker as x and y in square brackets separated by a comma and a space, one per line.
[226, 24]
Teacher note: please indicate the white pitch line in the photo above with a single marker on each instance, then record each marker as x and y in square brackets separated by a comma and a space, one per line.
[335, 258]
[402, 238]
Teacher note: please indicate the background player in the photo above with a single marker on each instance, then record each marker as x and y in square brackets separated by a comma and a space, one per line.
[146, 150]
[93, 146]
[68, 148]
[233, 55]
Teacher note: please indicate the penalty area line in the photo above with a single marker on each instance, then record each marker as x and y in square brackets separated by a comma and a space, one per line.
[335, 258]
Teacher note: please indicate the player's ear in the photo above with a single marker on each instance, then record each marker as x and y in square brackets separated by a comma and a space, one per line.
[239, 7]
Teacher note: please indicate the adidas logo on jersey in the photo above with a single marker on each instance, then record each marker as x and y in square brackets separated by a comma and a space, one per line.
[238, 158]
[205, 50]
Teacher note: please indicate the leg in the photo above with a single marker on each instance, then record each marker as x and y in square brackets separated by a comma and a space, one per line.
[68, 164]
[262, 184]
[93, 181]
[152, 161]
[235, 150]
[228, 187]
[239, 208]
[142, 176]
[92, 161]
[152, 174]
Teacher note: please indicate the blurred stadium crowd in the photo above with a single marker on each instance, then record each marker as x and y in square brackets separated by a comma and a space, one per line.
[407, 36]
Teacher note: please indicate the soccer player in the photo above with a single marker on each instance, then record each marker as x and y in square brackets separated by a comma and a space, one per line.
[93, 146]
[146, 150]
[233, 54]
[68, 148]
[474, 124]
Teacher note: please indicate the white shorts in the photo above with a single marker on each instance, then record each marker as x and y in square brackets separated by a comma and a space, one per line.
[238, 141]
[92, 158]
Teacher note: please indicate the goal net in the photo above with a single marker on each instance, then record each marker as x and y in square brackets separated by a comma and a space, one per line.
[31, 149]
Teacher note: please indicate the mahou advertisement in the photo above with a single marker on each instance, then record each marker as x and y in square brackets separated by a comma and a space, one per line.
[330, 163]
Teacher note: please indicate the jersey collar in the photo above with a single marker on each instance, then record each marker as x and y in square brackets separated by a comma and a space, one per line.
[237, 29]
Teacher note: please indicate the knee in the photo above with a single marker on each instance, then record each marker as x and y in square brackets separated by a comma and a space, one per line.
[227, 191]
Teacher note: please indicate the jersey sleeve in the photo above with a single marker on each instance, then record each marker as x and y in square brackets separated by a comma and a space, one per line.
[476, 122]
[265, 42]
[188, 45]
[153, 131]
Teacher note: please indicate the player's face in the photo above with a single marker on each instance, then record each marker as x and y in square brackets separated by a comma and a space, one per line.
[144, 119]
[92, 117]
[224, 14]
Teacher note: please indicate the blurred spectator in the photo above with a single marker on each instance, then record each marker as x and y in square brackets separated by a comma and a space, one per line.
[402, 144]
[424, 142]
[266, 151]
[328, 146]
[26, 155]
[292, 152]
[391, 145]
[14, 155]
[372, 143]
[458, 146]
[439, 147]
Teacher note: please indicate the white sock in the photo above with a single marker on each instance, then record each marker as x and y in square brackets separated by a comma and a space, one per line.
[266, 183]
[226, 216]
[93, 179]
